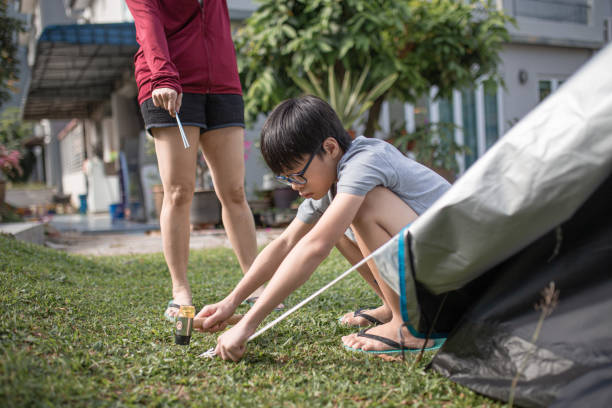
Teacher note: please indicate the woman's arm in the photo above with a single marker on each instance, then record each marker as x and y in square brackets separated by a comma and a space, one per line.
[152, 38]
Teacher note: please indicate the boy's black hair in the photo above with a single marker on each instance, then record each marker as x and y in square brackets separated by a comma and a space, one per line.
[298, 127]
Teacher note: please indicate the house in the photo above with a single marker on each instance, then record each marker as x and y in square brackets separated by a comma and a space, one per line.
[81, 53]
[552, 39]
[81, 57]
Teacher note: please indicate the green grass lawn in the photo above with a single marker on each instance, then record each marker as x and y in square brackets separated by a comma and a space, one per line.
[85, 331]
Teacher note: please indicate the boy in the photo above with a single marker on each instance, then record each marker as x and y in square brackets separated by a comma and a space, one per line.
[365, 184]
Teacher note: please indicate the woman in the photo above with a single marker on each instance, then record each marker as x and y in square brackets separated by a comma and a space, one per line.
[187, 64]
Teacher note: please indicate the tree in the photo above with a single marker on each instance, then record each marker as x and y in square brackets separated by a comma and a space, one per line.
[9, 70]
[13, 131]
[444, 43]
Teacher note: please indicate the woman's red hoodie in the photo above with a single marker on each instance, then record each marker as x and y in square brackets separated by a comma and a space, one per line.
[184, 46]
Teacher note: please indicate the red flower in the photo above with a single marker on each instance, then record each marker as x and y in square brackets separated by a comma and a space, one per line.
[9, 161]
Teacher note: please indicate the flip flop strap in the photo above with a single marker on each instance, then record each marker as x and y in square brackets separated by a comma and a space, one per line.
[371, 319]
[388, 342]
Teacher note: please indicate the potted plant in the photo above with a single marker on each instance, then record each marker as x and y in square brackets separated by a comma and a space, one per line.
[431, 144]
[9, 167]
[205, 207]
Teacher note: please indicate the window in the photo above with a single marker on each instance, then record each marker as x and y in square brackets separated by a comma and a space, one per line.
[72, 151]
[445, 107]
[571, 11]
[491, 114]
[470, 132]
[421, 112]
[548, 86]
[475, 112]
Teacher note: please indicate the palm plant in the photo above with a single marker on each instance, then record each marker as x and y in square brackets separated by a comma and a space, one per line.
[348, 99]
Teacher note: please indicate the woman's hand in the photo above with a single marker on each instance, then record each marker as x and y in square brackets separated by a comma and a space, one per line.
[168, 99]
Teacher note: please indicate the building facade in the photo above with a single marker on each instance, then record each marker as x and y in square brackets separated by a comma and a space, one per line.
[551, 41]
[81, 54]
[93, 84]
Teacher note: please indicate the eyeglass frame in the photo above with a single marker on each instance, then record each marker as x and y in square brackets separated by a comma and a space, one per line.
[289, 179]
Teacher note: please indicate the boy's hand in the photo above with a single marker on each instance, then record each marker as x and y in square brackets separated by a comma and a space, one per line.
[231, 345]
[168, 99]
[216, 316]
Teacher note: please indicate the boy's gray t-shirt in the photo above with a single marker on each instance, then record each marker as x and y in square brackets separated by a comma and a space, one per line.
[373, 162]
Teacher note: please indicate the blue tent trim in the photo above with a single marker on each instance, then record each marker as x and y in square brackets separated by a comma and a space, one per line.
[401, 257]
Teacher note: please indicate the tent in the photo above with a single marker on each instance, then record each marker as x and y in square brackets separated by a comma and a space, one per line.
[535, 209]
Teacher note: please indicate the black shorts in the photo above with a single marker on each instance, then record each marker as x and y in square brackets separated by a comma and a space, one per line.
[207, 111]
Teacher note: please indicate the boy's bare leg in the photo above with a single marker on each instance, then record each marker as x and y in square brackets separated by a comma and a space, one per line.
[224, 152]
[381, 216]
[177, 171]
[351, 252]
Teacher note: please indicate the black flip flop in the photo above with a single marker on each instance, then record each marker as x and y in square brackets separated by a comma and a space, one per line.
[397, 348]
[360, 313]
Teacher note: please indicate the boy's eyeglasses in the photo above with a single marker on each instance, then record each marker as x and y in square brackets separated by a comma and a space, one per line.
[297, 178]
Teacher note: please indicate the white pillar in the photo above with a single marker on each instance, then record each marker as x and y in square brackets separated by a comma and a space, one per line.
[458, 120]
[480, 120]
[385, 120]
[409, 117]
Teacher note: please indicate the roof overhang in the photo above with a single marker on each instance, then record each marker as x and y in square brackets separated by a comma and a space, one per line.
[77, 67]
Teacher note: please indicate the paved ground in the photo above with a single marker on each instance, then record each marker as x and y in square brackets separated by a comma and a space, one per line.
[99, 224]
[98, 234]
[140, 243]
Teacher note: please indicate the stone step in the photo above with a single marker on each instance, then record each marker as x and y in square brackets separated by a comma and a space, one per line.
[32, 232]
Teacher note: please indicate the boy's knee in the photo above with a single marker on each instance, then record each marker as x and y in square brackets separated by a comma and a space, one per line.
[179, 194]
[370, 205]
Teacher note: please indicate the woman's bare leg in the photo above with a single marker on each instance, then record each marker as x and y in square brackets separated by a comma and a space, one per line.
[177, 170]
[224, 153]
[381, 216]
[352, 253]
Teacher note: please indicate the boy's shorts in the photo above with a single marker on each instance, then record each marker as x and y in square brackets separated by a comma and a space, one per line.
[206, 111]
[350, 235]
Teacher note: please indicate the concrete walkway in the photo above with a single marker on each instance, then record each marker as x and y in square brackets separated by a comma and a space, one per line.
[97, 234]
[98, 224]
[142, 243]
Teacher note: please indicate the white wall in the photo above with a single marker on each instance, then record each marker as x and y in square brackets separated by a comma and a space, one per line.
[540, 62]
[108, 11]
[74, 184]
[559, 33]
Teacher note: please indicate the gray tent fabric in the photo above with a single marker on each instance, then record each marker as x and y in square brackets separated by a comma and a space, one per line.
[570, 363]
[534, 209]
[532, 179]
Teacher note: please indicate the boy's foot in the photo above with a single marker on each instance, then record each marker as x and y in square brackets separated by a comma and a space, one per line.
[367, 317]
[385, 339]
